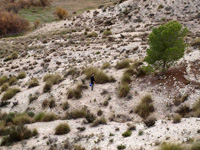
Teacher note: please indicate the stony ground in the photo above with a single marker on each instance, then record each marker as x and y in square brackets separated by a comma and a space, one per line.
[57, 47]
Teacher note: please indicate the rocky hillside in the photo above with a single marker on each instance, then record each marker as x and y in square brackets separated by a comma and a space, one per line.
[44, 81]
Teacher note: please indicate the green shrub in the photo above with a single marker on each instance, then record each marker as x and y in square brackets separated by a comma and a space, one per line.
[99, 75]
[4, 87]
[12, 80]
[123, 64]
[99, 121]
[140, 132]
[177, 118]
[121, 147]
[105, 65]
[10, 93]
[62, 128]
[127, 133]
[167, 45]
[92, 34]
[18, 133]
[34, 82]
[21, 75]
[145, 107]
[170, 146]
[123, 90]
[3, 79]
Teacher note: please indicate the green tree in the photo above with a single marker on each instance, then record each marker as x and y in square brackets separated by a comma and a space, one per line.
[166, 46]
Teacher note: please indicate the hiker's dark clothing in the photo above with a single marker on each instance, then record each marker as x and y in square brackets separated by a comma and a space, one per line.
[92, 82]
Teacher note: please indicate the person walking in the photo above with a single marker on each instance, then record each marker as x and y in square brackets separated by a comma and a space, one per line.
[92, 82]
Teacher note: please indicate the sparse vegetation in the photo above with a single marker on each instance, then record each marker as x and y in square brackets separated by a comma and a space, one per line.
[123, 64]
[92, 34]
[21, 75]
[99, 121]
[177, 118]
[45, 117]
[100, 76]
[18, 133]
[123, 90]
[150, 121]
[171, 146]
[12, 80]
[107, 33]
[4, 87]
[10, 93]
[33, 83]
[145, 107]
[3, 79]
[127, 133]
[62, 128]
[105, 65]
[121, 147]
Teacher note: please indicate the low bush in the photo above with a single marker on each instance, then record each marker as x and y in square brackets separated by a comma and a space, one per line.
[10, 93]
[45, 117]
[76, 92]
[150, 121]
[127, 133]
[4, 87]
[52, 78]
[32, 98]
[92, 34]
[195, 146]
[18, 133]
[184, 110]
[33, 83]
[126, 78]
[177, 118]
[107, 33]
[36, 24]
[12, 80]
[21, 119]
[99, 75]
[121, 147]
[171, 146]
[62, 128]
[21, 75]
[105, 65]
[123, 90]
[61, 13]
[75, 114]
[123, 64]
[3, 79]
[99, 121]
[12, 24]
[145, 107]
[74, 72]
[196, 42]
[47, 87]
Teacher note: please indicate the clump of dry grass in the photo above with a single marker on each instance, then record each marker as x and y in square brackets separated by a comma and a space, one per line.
[10, 93]
[62, 128]
[61, 13]
[99, 75]
[145, 107]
